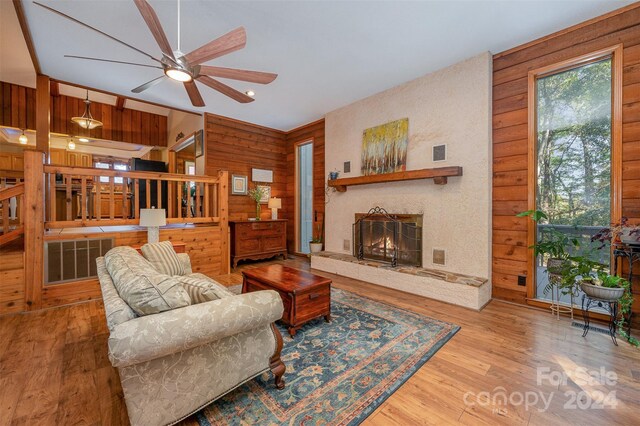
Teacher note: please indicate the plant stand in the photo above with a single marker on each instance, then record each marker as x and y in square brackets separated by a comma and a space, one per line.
[610, 306]
[556, 307]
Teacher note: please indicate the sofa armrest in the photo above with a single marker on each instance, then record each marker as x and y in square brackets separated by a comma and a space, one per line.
[186, 263]
[154, 336]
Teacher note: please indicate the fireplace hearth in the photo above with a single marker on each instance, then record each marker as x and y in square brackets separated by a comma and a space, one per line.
[387, 237]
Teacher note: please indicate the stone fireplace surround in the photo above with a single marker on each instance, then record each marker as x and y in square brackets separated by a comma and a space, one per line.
[458, 289]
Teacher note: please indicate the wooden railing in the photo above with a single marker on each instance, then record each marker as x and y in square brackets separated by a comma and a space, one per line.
[82, 196]
[11, 208]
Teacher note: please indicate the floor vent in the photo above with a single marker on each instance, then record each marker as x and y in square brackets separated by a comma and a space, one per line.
[593, 328]
[73, 260]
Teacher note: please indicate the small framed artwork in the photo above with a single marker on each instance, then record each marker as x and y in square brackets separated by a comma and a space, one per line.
[238, 185]
[266, 193]
[199, 141]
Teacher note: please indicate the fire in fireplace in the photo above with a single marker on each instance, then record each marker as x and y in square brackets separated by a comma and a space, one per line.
[391, 238]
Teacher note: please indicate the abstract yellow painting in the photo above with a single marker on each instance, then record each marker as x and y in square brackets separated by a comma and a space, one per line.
[384, 148]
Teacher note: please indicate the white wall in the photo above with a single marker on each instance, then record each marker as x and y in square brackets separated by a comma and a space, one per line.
[178, 121]
[451, 106]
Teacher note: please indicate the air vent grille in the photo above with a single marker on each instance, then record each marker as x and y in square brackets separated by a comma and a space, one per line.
[438, 257]
[73, 260]
[439, 152]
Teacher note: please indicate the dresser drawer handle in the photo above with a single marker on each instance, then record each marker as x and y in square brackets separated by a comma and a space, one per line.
[263, 226]
[313, 296]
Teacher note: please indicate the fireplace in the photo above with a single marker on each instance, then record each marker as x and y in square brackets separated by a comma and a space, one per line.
[391, 238]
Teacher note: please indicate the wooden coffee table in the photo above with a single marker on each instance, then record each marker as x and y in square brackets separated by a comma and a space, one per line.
[305, 296]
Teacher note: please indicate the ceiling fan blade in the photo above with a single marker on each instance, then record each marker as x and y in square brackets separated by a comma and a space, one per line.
[194, 93]
[225, 90]
[230, 42]
[235, 74]
[111, 60]
[148, 84]
[152, 21]
[95, 29]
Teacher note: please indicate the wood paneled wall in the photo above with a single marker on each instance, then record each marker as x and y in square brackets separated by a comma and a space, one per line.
[17, 109]
[311, 132]
[201, 242]
[510, 124]
[237, 147]
[12, 281]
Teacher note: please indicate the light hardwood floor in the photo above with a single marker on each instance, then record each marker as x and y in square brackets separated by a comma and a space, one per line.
[54, 368]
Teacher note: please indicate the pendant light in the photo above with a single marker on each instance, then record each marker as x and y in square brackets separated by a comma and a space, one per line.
[87, 121]
[23, 138]
[71, 145]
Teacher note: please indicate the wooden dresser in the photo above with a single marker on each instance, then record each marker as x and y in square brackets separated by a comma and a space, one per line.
[257, 239]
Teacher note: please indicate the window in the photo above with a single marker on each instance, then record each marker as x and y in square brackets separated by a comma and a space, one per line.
[111, 164]
[574, 153]
[304, 176]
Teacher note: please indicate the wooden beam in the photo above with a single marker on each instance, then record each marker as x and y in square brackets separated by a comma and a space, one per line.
[43, 113]
[55, 88]
[120, 103]
[34, 227]
[439, 176]
[26, 33]
[223, 203]
[126, 97]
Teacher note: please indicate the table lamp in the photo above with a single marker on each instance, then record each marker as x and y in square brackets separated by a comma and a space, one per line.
[274, 205]
[153, 219]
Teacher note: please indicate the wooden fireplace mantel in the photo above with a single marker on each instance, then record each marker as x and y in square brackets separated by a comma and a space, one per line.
[439, 176]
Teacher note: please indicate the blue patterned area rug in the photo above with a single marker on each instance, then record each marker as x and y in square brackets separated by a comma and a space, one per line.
[337, 373]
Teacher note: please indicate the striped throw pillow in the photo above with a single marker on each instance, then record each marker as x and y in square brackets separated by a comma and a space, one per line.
[163, 257]
[202, 290]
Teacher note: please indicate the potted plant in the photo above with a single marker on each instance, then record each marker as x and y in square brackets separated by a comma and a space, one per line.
[610, 287]
[315, 245]
[552, 246]
[621, 232]
[606, 287]
[256, 195]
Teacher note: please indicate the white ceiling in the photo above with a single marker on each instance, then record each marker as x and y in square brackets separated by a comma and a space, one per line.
[327, 53]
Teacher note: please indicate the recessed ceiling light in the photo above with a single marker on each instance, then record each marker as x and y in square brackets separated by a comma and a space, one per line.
[83, 139]
[250, 93]
[178, 74]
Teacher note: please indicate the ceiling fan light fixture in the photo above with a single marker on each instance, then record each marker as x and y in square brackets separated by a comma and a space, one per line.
[87, 121]
[178, 74]
[23, 138]
[250, 93]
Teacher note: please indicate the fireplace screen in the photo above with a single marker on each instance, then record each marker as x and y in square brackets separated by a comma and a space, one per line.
[391, 238]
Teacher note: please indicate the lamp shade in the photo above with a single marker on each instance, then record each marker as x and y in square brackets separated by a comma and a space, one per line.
[275, 203]
[152, 217]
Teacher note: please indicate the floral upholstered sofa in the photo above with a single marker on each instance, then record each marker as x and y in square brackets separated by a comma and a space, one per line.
[175, 362]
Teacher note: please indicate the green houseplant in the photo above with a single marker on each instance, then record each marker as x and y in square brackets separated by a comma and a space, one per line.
[256, 195]
[553, 247]
[315, 245]
[611, 287]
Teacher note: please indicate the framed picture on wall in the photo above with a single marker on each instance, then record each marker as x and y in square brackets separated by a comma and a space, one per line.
[266, 193]
[238, 185]
[199, 141]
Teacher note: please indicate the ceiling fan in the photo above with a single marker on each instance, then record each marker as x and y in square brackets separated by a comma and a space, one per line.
[186, 68]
